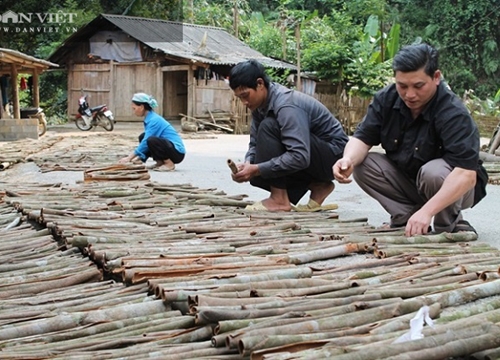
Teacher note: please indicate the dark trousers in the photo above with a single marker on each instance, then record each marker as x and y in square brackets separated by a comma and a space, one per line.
[162, 149]
[401, 196]
[269, 145]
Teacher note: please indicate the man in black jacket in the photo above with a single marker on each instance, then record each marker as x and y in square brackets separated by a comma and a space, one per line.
[431, 167]
[294, 141]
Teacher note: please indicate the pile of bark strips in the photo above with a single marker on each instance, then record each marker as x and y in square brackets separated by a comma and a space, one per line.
[54, 152]
[211, 121]
[135, 270]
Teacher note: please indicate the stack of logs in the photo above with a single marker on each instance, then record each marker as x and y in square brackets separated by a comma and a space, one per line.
[226, 283]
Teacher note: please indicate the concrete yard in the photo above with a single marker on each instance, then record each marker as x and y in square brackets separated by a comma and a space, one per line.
[205, 167]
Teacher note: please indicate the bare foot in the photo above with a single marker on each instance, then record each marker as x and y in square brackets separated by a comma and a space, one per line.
[168, 164]
[272, 205]
[321, 190]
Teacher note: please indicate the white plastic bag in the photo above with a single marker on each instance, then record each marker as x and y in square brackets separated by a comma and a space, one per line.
[416, 326]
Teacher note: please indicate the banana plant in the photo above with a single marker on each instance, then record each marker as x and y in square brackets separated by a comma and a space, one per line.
[383, 46]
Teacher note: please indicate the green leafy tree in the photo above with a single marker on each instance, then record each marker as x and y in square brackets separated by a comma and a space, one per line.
[263, 36]
[467, 35]
[215, 13]
[324, 49]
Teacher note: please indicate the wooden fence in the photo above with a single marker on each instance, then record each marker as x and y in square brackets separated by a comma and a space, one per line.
[349, 110]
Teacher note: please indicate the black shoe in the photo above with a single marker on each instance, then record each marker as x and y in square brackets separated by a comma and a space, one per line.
[463, 226]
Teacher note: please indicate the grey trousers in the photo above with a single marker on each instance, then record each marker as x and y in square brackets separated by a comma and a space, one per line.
[270, 145]
[401, 196]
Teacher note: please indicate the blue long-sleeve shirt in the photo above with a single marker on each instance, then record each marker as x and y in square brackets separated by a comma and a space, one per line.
[156, 125]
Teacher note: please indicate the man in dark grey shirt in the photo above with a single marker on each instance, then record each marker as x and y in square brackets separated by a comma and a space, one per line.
[294, 141]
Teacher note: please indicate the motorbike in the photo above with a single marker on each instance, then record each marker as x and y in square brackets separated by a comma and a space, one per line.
[36, 113]
[88, 118]
[494, 143]
[32, 112]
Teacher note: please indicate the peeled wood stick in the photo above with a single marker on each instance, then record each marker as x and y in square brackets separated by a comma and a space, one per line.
[191, 335]
[132, 334]
[335, 322]
[468, 278]
[17, 247]
[487, 354]
[322, 254]
[302, 344]
[407, 293]
[135, 276]
[42, 274]
[272, 284]
[397, 260]
[30, 289]
[206, 353]
[232, 166]
[292, 273]
[443, 237]
[489, 275]
[402, 322]
[67, 321]
[203, 301]
[229, 325]
[460, 258]
[310, 308]
[223, 202]
[476, 314]
[15, 235]
[222, 329]
[455, 343]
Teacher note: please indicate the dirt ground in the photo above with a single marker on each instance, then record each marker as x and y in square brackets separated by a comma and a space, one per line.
[205, 166]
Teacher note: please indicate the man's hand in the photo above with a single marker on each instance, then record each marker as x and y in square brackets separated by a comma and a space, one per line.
[245, 172]
[418, 224]
[124, 160]
[131, 158]
[342, 170]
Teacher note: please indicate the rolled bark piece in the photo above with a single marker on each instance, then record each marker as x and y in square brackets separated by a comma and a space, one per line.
[335, 322]
[68, 321]
[232, 166]
[487, 354]
[4, 165]
[450, 344]
[322, 254]
[84, 276]
[402, 322]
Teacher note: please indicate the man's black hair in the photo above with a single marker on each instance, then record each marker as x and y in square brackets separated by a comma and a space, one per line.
[415, 57]
[246, 74]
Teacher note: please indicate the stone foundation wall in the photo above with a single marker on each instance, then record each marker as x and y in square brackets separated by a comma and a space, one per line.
[15, 129]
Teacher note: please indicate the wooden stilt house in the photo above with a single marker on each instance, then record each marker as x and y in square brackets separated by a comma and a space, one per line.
[182, 65]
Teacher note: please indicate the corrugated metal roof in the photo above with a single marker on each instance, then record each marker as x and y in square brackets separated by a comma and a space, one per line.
[182, 40]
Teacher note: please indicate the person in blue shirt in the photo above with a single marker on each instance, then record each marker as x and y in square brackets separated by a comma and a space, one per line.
[159, 140]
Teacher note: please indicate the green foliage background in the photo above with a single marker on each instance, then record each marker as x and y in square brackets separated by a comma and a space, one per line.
[346, 42]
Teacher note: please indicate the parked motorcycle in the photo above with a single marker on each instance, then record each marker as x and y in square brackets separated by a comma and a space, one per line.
[31, 112]
[36, 113]
[88, 118]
